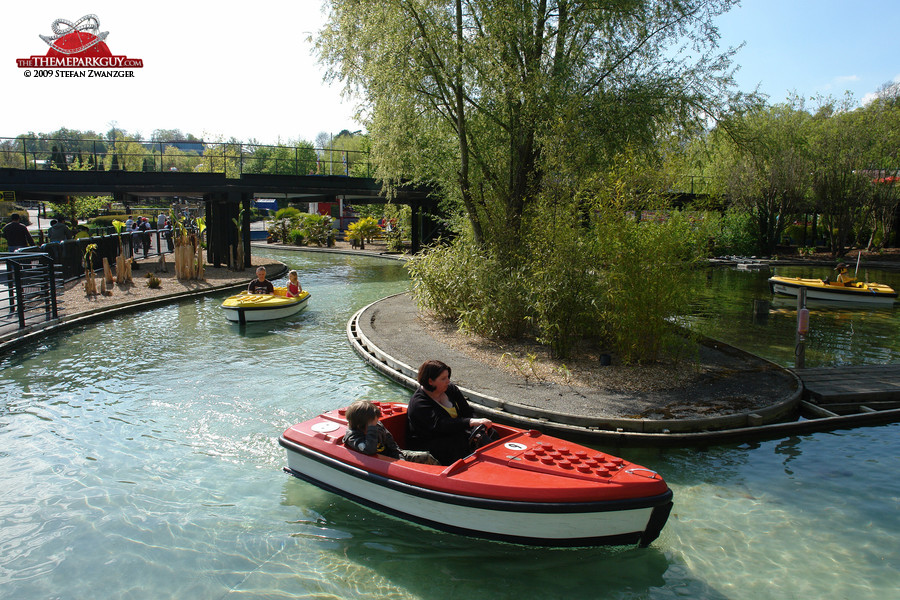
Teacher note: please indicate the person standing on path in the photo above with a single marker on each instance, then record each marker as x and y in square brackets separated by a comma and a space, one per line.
[58, 231]
[17, 235]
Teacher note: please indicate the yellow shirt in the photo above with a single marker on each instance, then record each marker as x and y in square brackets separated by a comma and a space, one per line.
[451, 410]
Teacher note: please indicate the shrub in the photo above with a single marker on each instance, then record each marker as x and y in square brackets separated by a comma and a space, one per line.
[24, 219]
[647, 284]
[288, 213]
[564, 292]
[363, 230]
[297, 238]
[732, 233]
[394, 239]
[471, 288]
[317, 229]
[107, 220]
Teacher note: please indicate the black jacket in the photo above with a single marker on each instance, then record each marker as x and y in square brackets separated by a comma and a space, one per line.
[374, 440]
[432, 428]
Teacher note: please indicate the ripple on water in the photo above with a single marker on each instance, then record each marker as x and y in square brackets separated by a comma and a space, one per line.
[140, 459]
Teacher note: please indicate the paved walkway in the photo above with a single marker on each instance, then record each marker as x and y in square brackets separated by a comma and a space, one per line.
[391, 336]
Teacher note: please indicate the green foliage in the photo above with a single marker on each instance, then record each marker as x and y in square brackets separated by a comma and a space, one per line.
[732, 233]
[317, 229]
[90, 251]
[363, 230]
[646, 283]
[108, 220]
[783, 162]
[8, 208]
[298, 158]
[80, 207]
[587, 266]
[491, 102]
[469, 286]
[153, 282]
[297, 237]
[288, 212]
[394, 239]
[286, 219]
[565, 293]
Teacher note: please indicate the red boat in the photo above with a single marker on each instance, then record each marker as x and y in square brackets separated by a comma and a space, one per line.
[525, 487]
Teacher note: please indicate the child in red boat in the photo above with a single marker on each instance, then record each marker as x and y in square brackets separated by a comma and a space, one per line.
[366, 434]
[293, 287]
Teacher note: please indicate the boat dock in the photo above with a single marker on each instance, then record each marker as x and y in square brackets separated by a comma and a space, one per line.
[833, 391]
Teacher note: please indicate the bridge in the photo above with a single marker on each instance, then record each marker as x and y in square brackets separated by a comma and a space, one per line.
[228, 178]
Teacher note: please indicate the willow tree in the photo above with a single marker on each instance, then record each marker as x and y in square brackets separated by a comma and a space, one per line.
[492, 99]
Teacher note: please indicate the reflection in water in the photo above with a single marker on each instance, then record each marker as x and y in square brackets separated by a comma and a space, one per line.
[791, 449]
[139, 459]
[838, 333]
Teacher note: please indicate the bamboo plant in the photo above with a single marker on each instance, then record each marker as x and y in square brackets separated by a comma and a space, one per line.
[90, 286]
[123, 265]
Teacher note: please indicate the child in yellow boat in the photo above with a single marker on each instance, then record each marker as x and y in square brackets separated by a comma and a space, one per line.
[843, 276]
[366, 434]
[293, 287]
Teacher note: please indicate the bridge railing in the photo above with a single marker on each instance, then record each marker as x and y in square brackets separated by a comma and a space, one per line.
[30, 285]
[233, 159]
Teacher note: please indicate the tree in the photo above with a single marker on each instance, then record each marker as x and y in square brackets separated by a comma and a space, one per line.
[882, 123]
[297, 158]
[80, 207]
[841, 178]
[487, 98]
[764, 161]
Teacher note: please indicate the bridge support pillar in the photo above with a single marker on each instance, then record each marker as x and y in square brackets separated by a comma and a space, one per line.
[222, 235]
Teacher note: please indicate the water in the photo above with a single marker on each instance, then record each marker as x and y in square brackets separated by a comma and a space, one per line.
[839, 334]
[139, 459]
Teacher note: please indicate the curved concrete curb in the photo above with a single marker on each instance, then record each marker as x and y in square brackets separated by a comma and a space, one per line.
[22, 337]
[388, 256]
[761, 424]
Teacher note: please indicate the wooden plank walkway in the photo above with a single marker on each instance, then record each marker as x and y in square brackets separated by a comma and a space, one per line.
[844, 390]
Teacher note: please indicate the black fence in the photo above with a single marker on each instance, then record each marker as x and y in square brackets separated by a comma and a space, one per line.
[69, 255]
[233, 159]
[32, 284]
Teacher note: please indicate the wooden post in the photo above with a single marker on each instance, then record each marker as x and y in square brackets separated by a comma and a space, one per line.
[107, 271]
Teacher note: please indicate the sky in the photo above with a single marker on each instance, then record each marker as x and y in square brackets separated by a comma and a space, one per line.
[219, 71]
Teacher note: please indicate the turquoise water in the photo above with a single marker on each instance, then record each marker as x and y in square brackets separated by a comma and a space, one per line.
[139, 459]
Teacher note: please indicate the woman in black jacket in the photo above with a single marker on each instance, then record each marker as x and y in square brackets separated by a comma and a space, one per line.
[439, 416]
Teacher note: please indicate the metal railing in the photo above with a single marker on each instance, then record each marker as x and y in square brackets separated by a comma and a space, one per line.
[31, 284]
[69, 255]
[233, 159]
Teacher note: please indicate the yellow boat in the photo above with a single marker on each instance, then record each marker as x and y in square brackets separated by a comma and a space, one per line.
[246, 307]
[819, 289]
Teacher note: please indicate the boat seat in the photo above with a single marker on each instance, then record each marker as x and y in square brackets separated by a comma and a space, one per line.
[396, 424]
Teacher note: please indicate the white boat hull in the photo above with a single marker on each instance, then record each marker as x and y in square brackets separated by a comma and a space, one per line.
[559, 524]
[250, 313]
[819, 294]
